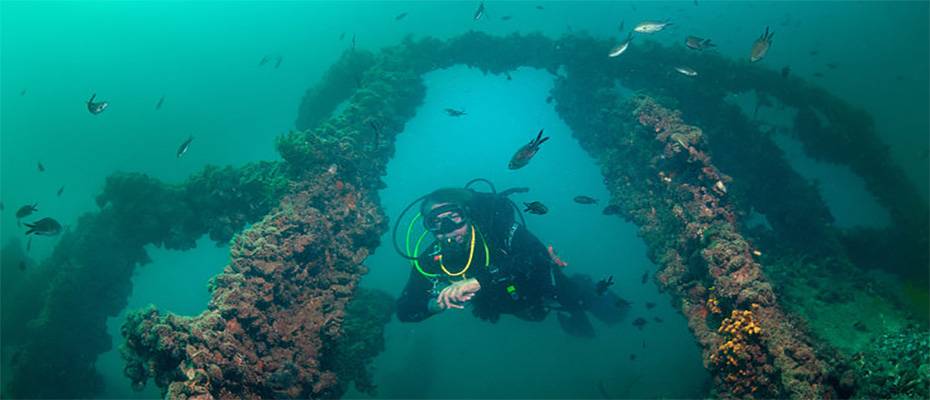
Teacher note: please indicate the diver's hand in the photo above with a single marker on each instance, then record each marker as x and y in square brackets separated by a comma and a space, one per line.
[455, 294]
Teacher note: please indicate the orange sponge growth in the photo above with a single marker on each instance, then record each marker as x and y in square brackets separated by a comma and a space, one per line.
[740, 359]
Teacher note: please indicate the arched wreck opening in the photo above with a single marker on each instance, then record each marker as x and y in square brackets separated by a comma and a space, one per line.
[504, 111]
[287, 317]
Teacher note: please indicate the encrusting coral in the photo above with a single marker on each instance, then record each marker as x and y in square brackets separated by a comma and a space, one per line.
[283, 297]
[275, 307]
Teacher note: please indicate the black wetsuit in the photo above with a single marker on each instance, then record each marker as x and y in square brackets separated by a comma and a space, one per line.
[518, 260]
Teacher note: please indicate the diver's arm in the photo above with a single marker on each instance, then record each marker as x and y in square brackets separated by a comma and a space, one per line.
[417, 303]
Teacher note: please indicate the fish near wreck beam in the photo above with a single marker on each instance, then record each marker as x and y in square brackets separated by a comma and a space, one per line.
[734, 274]
[397, 77]
[670, 233]
[328, 164]
[849, 138]
[277, 307]
[135, 211]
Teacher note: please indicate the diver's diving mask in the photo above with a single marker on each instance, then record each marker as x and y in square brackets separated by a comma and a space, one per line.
[444, 219]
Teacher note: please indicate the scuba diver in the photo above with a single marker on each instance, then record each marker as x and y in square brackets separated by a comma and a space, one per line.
[482, 256]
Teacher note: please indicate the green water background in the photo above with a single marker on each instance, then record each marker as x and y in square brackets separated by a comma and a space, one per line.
[203, 57]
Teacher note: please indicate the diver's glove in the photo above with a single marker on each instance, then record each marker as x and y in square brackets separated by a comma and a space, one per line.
[456, 294]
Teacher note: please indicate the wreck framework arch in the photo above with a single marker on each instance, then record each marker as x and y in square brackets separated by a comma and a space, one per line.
[263, 309]
[510, 108]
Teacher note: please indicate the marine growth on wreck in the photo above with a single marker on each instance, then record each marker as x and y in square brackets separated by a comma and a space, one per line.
[287, 318]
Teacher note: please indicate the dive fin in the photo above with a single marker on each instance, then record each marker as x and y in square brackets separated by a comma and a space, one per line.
[576, 324]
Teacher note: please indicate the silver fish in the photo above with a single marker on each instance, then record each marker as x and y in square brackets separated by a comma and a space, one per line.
[616, 51]
[185, 146]
[651, 26]
[686, 71]
[479, 12]
[761, 46]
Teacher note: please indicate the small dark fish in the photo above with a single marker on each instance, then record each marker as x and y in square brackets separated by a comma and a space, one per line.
[644, 343]
[277, 62]
[549, 100]
[612, 209]
[507, 74]
[40, 167]
[479, 12]
[23, 93]
[860, 326]
[400, 16]
[29, 244]
[924, 154]
[639, 323]
[26, 210]
[539, 7]
[98, 107]
[650, 305]
[620, 28]
[535, 208]
[45, 227]
[454, 113]
[161, 101]
[813, 52]
[22, 265]
[695, 2]
[832, 65]
[506, 18]
[525, 153]
[696, 43]
[645, 277]
[601, 287]
[632, 357]
[61, 190]
[818, 75]
[185, 146]
[585, 200]
[353, 42]
[264, 61]
[785, 71]
[658, 320]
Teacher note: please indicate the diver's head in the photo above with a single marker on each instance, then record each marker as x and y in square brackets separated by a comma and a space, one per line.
[446, 214]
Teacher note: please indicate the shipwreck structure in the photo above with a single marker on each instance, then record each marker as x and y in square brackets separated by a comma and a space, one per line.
[287, 319]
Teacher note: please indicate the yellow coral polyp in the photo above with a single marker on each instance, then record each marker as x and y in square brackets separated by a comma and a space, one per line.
[739, 326]
[713, 304]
